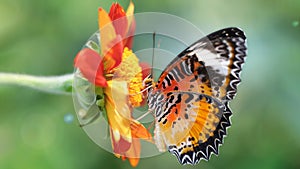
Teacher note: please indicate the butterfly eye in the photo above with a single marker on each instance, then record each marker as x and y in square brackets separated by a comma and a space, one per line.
[148, 82]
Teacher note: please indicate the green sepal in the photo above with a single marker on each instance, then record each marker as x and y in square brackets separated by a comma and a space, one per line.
[100, 101]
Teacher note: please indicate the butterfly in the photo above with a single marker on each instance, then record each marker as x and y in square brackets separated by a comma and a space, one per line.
[191, 98]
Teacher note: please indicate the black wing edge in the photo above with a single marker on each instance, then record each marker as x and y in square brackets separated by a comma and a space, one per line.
[238, 39]
[211, 146]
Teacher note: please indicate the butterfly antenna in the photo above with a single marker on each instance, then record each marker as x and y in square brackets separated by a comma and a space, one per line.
[153, 46]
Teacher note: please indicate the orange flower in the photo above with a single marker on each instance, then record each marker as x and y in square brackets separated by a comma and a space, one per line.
[116, 70]
[122, 94]
[114, 36]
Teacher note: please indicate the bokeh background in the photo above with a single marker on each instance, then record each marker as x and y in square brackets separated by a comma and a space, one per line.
[42, 38]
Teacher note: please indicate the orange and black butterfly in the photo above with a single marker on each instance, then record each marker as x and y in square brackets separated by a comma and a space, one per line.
[190, 99]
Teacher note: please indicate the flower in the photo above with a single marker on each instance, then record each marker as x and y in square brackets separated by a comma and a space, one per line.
[114, 36]
[129, 70]
[123, 93]
[115, 69]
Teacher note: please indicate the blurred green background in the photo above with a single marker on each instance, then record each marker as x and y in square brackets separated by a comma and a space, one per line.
[42, 38]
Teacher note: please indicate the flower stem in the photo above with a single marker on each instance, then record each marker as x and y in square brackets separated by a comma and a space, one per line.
[51, 84]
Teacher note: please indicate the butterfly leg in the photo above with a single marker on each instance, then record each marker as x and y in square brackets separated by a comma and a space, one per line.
[151, 125]
[144, 115]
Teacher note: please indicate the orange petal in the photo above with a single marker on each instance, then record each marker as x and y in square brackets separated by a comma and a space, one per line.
[130, 9]
[90, 65]
[138, 130]
[131, 26]
[134, 152]
[107, 30]
[117, 109]
[134, 161]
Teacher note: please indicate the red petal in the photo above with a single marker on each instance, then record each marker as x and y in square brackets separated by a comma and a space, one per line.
[119, 19]
[121, 146]
[113, 57]
[116, 11]
[128, 41]
[89, 63]
[146, 69]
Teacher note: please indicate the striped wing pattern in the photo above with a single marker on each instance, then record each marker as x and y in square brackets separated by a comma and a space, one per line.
[191, 96]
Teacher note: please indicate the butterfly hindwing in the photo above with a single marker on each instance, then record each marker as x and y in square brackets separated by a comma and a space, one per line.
[190, 130]
[191, 97]
[203, 150]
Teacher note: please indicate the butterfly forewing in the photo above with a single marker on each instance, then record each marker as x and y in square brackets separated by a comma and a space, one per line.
[191, 96]
[210, 66]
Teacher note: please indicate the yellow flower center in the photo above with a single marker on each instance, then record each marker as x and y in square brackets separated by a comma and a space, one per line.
[130, 71]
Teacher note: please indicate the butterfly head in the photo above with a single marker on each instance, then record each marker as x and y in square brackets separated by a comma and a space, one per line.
[148, 83]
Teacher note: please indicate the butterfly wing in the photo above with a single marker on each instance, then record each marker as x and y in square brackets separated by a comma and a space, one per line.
[210, 66]
[194, 129]
[191, 96]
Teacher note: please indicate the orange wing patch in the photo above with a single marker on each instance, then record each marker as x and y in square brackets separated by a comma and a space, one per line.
[187, 116]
